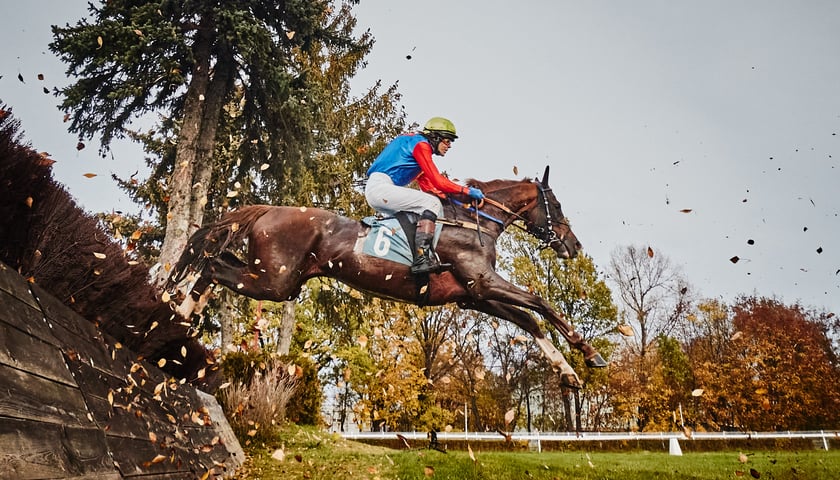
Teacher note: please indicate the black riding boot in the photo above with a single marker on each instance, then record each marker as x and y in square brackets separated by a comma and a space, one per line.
[425, 258]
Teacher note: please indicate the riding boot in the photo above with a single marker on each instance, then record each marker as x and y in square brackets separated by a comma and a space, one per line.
[425, 258]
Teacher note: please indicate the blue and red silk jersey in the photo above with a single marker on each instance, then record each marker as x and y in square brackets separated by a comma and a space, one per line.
[409, 157]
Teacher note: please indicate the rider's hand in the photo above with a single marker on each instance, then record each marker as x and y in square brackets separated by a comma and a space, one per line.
[475, 193]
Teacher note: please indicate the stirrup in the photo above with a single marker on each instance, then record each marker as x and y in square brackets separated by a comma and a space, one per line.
[424, 265]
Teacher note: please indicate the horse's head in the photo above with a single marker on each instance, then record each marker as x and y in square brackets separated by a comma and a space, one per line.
[547, 222]
[533, 203]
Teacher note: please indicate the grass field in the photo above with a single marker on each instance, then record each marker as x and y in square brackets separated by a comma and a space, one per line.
[310, 454]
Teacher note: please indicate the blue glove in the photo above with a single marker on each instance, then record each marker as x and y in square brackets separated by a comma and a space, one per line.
[475, 193]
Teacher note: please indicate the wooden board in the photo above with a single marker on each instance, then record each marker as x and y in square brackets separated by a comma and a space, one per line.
[30, 450]
[12, 283]
[26, 352]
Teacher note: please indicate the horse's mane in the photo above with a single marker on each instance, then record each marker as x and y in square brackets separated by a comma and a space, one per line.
[494, 185]
[47, 238]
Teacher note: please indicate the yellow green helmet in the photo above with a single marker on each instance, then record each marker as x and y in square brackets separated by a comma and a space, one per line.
[441, 126]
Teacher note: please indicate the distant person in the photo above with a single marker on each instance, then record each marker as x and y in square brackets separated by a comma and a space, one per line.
[409, 157]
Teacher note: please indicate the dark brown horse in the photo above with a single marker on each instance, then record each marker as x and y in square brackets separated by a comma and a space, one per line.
[286, 246]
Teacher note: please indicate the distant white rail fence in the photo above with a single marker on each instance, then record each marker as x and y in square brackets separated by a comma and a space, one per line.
[537, 437]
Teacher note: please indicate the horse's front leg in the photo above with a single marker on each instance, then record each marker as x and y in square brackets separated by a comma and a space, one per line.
[492, 287]
[525, 321]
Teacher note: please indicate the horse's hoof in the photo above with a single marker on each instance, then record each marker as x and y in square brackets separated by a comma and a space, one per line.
[569, 380]
[596, 361]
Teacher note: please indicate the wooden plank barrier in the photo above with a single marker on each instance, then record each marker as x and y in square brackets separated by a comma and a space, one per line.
[74, 403]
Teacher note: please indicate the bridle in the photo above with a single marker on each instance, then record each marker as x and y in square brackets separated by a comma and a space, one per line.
[544, 232]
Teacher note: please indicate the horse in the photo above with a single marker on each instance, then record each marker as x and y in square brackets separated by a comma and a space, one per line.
[287, 245]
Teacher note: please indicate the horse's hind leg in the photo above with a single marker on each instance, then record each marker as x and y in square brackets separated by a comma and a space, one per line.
[254, 280]
[568, 376]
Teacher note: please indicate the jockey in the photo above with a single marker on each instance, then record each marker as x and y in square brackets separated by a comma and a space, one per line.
[409, 157]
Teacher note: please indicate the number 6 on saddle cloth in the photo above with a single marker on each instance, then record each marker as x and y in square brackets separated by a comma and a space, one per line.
[392, 238]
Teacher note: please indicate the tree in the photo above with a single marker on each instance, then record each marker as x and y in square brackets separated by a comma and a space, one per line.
[777, 371]
[186, 61]
[654, 291]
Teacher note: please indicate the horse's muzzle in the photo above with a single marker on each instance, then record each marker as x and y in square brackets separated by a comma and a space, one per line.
[566, 247]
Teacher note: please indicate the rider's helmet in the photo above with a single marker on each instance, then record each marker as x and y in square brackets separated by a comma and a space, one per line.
[443, 127]
[437, 129]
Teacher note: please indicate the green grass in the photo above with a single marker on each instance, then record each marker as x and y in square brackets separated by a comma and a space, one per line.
[310, 454]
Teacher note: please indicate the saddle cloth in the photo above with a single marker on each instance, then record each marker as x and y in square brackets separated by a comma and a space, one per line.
[387, 239]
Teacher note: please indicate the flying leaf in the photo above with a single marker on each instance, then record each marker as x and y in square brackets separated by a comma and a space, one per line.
[734, 259]
[89, 175]
[41, 76]
[99, 42]
[20, 77]
[80, 146]
[429, 471]
[754, 473]
[515, 170]
[742, 458]
[472, 455]
[650, 252]
[363, 339]
[290, 35]
[735, 336]
[697, 392]
[685, 210]
[99, 255]
[509, 416]
[161, 363]
[626, 330]
[159, 458]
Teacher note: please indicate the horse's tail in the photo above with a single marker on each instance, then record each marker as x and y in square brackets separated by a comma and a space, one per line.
[211, 240]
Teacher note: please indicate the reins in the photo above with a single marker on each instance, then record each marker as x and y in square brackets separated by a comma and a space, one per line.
[545, 234]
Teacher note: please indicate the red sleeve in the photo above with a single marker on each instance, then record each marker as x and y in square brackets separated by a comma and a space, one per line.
[430, 179]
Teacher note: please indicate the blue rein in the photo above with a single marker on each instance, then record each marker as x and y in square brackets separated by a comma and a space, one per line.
[481, 214]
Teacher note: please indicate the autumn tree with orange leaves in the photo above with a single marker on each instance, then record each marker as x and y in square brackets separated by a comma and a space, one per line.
[777, 371]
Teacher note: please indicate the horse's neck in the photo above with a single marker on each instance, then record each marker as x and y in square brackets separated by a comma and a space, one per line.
[512, 195]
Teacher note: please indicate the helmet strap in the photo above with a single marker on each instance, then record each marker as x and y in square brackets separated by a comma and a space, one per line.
[434, 139]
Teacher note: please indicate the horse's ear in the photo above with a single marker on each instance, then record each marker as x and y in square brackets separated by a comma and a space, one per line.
[545, 177]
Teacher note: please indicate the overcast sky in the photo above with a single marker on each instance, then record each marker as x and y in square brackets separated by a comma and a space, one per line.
[643, 110]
